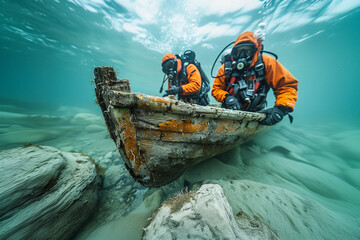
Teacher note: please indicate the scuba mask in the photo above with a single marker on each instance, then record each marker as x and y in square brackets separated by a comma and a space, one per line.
[242, 55]
[169, 68]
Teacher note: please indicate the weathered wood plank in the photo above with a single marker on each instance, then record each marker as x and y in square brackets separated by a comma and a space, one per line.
[167, 104]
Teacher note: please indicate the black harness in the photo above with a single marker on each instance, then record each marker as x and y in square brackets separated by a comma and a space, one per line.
[250, 97]
[201, 97]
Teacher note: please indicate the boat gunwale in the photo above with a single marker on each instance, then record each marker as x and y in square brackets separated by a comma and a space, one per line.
[120, 99]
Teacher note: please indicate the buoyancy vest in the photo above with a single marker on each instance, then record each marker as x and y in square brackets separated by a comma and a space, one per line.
[250, 93]
[201, 97]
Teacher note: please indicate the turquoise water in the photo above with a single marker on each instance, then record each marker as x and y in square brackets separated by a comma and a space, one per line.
[48, 50]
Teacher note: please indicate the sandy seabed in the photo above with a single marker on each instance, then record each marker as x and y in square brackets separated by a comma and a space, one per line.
[303, 181]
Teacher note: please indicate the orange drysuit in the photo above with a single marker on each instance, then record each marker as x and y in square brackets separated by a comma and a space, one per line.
[193, 83]
[277, 77]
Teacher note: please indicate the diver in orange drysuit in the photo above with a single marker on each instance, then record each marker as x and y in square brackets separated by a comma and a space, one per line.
[183, 80]
[246, 76]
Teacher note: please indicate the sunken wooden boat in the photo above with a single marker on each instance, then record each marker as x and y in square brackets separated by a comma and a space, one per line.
[160, 137]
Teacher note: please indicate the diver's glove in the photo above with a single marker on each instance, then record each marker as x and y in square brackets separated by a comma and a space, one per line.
[275, 114]
[173, 91]
[231, 102]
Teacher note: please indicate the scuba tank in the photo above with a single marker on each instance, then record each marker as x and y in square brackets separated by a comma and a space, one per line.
[226, 57]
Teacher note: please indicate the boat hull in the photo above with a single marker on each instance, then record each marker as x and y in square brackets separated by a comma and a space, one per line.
[160, 137]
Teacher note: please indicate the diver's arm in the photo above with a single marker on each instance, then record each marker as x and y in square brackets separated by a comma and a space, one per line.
[218, 90]
[284, 84]
[194, 79]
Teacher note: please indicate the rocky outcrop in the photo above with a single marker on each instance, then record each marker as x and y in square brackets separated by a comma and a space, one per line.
[45, 193]
[204, 214]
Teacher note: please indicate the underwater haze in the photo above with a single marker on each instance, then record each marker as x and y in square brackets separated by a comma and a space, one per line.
[49, 49]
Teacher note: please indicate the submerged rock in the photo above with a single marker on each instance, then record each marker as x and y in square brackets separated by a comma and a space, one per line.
[45, 193]
[204, 214]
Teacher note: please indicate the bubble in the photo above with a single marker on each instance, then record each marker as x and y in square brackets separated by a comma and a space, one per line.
[260, 32]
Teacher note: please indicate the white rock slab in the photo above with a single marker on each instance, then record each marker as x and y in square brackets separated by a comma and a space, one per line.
[45, 193]
[204, 214]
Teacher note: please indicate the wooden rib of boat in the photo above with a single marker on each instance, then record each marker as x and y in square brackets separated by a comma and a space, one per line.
[159, 137]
